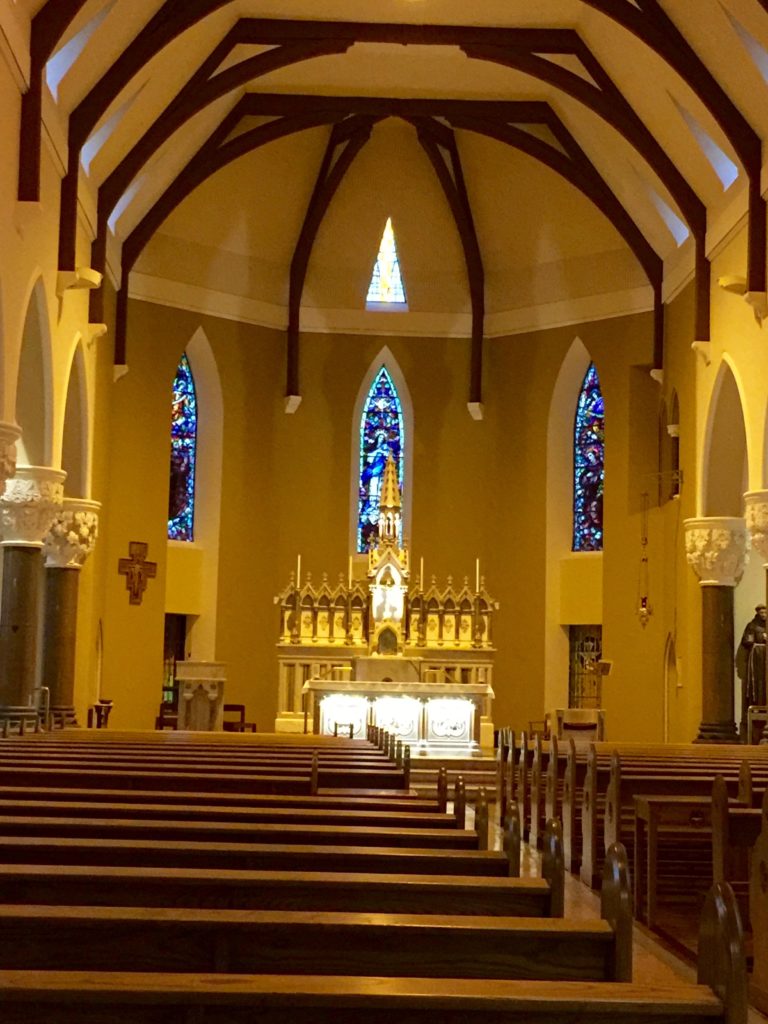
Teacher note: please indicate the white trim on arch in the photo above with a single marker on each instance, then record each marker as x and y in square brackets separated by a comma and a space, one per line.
[386, 359]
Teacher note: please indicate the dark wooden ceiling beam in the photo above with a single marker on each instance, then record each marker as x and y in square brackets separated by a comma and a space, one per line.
[656, 29]
[210, 158]
[192, 99]
[584, 176]
[48, 26]
[166, 25]
[347, 139]
[607, 101]
[439, 144]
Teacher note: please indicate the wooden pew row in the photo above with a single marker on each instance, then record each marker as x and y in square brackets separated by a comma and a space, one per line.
[44, 750]
[54, 850]
[559, 791]
[758, 912]
[42, 825]
[330, 775]
[122, 808]
[301, 942]
[76, 885]
[736, 829]
[610, 789]
[164, 778]
[396, 802]
[34, 997]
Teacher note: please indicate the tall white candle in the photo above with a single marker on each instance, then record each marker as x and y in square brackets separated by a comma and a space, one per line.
[298, 572]
[350, 572]
[421, 574]
[477, 575]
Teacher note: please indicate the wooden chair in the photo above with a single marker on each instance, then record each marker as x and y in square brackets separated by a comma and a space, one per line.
[168, 717]
[239, 724]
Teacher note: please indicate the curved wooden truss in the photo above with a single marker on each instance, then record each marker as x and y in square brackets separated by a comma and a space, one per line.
[524, 50]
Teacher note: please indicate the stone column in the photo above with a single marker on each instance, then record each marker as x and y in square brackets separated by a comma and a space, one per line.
[27, 509]
[67, 545]
[716, 551]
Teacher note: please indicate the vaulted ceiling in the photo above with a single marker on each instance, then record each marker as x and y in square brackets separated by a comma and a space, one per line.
[521, 148]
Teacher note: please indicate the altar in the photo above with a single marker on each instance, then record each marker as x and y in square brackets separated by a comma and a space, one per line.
[446, 715]
[386, 651]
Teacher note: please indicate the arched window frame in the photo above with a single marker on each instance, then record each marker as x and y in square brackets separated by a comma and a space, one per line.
[386, 360]
[181, 527]
[586, 537]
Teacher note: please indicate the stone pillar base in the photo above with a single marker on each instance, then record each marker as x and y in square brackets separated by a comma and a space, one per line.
[717, 732]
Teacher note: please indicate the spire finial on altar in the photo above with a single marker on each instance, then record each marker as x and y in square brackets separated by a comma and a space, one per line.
[390, 489]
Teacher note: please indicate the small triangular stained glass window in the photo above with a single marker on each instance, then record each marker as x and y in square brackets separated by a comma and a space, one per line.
[386, 287]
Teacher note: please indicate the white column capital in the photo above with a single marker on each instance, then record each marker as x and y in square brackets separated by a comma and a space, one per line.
[9, 435]
[29, 503]
[716, 548]
[756, 517]
[73, 535]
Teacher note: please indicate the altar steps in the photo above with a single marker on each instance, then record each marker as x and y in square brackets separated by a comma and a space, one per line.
[476, 771]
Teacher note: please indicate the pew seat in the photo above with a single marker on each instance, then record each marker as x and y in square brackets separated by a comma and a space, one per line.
[35, 997]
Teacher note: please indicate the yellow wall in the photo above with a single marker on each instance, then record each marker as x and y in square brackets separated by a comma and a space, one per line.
[479, 491]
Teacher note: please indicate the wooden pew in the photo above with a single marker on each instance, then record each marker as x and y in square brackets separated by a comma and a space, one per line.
[758, 911]
[38, 997]
[609, 791]
[735, 830]
[106, 886]
[122, 808]
[299, 942]
[250, 856]
[42, 825]
[397, 802]
[167, 778]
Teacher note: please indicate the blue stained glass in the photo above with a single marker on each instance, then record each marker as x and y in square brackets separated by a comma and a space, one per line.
[589, 465]
[381, 432]
[181, 498]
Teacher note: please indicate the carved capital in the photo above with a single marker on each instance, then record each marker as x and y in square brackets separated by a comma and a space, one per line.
[9, 435]
[73, 535]
[756, 517]
[29, 504]
[716, 548]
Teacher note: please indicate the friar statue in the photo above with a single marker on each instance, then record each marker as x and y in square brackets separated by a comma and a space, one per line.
[750, 659]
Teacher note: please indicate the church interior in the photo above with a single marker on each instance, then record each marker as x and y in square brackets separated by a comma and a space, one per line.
[376, 354]
[565, 188]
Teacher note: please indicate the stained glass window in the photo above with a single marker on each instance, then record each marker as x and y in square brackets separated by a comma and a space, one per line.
[387, 282]
[381, 432]
[181, 499]
[588, 465]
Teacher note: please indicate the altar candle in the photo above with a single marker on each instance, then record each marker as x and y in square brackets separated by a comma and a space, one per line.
[477, 575]
[298, 572]
[421, 574]
[350, 572]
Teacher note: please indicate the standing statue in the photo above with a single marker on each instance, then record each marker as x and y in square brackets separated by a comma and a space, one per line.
[750, 660]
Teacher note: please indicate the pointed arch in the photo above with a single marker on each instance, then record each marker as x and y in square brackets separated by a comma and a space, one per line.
[75, 445]
[559, 526]
[201, 637]
[725, 453]
[34, 390]
[384, 361]
[588, 464]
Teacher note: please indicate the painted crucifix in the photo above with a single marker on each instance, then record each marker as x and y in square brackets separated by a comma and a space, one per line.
[137, 570]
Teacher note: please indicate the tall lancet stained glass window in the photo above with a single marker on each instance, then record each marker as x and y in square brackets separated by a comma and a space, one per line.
[588, 465]
[386, 287]
[181, 498]
[381, 432]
